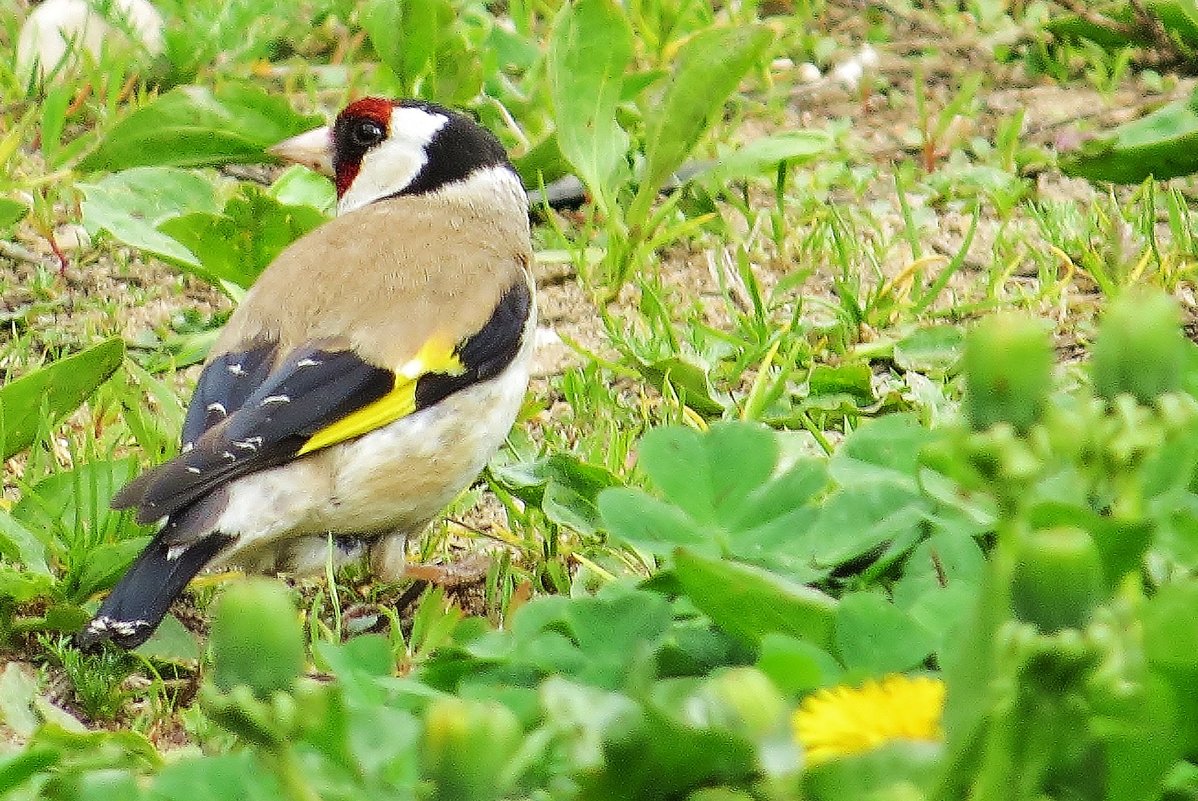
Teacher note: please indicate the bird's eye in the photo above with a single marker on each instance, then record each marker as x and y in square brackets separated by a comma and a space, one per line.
[367, 133]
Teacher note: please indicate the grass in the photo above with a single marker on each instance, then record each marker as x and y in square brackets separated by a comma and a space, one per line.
[814, 291]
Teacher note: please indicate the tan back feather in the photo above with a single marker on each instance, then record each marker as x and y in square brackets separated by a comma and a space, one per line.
[387, 277]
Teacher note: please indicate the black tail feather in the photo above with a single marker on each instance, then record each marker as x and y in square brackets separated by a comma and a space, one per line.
[139, 601]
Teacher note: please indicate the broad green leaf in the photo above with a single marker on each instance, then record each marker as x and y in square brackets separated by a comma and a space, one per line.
[762, 156]
[217, 778]
[651, 525]
[1163, 144]
[194, 126]
[937, 350]
[707, 70]
[860, 519]
[884, 449]
[613, 629]
[237, 244]
[688, 381]
[384, 22]
[750, 603]
[902, 769]
[709, 475]
[590, 49]
[797, 666]
[409, 37]
[58, 389]
[11, 212]
[22, 586]
[299, 186]
[171, 642]
[566, 488]
[19, 545]
[874, 636]
[18, 690]
[1170, 638]
[105, 564]
[77, 499]
[131, 205]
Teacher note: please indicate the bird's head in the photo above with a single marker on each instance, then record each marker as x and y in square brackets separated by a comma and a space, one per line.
[379, 148]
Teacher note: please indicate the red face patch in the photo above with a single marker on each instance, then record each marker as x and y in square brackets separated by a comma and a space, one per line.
[347, 158]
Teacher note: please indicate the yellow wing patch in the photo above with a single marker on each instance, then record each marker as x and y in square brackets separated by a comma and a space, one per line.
[435, 356]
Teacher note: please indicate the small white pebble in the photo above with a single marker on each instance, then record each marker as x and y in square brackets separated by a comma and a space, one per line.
[809, 73]
[781, 64]
[72, 237]
[848, 74]
[868, 57]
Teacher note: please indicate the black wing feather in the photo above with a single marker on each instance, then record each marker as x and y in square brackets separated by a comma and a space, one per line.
[224, 385]
[310, 390]
[486, 353]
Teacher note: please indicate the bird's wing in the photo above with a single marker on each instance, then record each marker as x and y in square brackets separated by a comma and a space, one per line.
[224, 386]
[316, 397]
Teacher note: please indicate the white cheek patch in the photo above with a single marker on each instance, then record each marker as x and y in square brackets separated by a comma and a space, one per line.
[391, 165]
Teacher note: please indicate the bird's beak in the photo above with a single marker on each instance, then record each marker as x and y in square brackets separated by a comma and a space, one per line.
[313, 149]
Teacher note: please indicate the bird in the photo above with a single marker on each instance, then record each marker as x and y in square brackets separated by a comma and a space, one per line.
[366, 378]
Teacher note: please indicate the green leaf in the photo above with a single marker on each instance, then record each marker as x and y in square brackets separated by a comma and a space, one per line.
[22, 586]
[797, 666]
[1163, 144]
[688, 381]
[18, 691]
[11, 212]
[860, 519]
[565, 487]
[874, 636]
[217, 778]
[18, 544]
[237, 244]
[590, 49]
[105, 564]
[937, 350]
[57, 388]
[300, 186]
[884, 449]
[707, 70]
[722, 466]
[896, 770]
[194, 126]
[75, 499]
[651, 525]
[750, 603]
[131, 205]
[1170, 639]
[171, 642]
[762, 156]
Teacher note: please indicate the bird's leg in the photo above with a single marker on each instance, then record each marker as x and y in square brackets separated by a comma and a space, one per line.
[388, 556]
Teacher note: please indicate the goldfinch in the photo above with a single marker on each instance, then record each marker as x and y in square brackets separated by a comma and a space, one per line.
[367, 377]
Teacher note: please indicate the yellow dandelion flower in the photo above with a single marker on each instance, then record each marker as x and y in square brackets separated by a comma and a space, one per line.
[840, 721]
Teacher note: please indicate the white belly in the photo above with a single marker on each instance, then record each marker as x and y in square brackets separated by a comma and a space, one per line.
[392, 480]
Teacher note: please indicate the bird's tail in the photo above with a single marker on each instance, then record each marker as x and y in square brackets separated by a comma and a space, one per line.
[139, 601]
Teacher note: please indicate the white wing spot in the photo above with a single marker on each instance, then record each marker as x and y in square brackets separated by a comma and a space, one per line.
[308, 363]
[245, 444]
[235, 369]
[269, 399]
[122, 628]
[187, 447]
[216, 407]
[174, 552]
[228, 455]
[193, 470]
